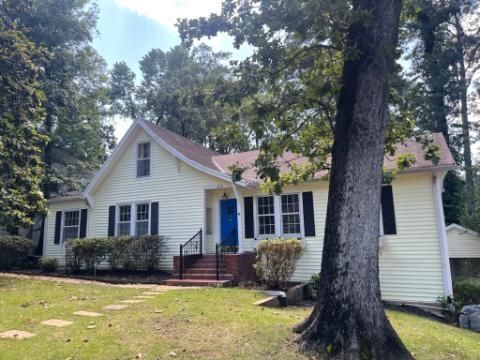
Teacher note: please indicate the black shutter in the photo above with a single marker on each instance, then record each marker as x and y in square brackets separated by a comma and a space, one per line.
[58, 227]
[388, 211]
[111, 220]
[154, 219]
[83, 223]
[249, 223]
[308, 214]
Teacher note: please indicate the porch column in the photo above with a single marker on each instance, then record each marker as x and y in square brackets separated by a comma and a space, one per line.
[239, 197]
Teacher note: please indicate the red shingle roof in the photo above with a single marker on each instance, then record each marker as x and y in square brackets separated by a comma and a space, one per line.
[218, 162]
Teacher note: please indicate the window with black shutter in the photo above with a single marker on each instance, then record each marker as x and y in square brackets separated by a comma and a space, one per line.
[388, 211]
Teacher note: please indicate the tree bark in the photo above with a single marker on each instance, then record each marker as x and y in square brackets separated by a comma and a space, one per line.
[349, 321]
[467, 153]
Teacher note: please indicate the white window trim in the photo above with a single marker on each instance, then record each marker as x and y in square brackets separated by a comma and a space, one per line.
[301, 234]
[277, 202]
[136, 160]
[133, 215]
[62, 240]
[257, 217]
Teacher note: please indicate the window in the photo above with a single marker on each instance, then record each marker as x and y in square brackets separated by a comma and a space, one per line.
[266, 215]
[143, 160]
[141, 226]
[291, 214]
[124, 220]
[71, 224]
[133, 219]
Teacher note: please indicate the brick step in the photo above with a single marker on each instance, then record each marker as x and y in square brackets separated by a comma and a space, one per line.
[195, 270]
[203, 276]
[197, 282]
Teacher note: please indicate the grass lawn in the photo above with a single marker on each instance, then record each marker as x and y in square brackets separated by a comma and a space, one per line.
[194, 323]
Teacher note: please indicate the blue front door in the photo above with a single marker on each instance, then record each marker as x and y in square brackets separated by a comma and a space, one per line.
[228, 226]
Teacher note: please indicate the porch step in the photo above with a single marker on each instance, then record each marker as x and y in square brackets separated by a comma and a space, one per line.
[202, 270]
[203, 276]
[197, 282]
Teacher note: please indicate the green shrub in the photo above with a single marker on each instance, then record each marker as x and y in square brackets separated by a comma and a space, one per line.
[467, 291]
[48, 264]
[130, 253]
[14, 250]
[86, 252]
[315, 285]
[276, 261]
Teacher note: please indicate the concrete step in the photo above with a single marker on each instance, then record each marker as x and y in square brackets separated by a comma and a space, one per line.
[197, 282]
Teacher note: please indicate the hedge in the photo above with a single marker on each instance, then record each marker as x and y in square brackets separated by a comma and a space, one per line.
[126, 252]
[14, 250]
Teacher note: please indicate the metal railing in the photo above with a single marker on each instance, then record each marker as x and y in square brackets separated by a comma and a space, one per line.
[190, 252]
[229, 245]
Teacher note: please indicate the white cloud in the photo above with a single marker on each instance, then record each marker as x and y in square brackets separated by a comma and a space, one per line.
[166, 12]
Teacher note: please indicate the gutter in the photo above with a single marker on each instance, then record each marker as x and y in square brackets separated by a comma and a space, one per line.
[437, 187]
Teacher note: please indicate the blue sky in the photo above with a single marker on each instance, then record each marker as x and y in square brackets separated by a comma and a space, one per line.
[128, 29]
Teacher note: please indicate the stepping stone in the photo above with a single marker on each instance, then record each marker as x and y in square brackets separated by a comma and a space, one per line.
[16, 334]
[57, 323]
[131, 301]
[115, 307]
[144, 297]
[87, 313]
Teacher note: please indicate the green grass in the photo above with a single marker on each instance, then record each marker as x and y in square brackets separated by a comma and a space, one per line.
[196, 323]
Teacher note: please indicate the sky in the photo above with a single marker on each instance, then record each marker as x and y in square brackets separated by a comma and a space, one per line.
[128, 29]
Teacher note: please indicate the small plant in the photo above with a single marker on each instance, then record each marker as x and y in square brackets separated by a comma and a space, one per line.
[14, 250]
[315, 285]
[451, 307]
[467, 291]
[276, 261]
[48, 264]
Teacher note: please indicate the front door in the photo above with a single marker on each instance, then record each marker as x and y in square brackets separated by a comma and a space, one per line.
[228, 226]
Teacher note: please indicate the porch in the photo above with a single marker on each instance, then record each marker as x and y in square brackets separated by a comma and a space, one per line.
[215, 255]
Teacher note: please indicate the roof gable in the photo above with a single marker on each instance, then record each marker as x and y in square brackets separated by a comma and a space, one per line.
[191, 153]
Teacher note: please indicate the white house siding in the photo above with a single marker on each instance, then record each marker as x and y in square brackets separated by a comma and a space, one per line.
[410, 266]
[179, 189]
[58, 250]
[463, 244]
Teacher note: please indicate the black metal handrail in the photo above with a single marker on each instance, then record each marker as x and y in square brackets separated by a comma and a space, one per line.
[228, 245]
[190, 252]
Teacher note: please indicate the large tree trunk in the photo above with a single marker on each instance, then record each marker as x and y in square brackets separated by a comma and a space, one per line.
[349, 321]
[467, 154]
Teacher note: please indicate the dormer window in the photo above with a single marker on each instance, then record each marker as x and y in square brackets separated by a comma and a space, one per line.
[143, 160]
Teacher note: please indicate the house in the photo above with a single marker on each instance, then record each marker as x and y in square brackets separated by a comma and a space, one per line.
[158, 182]
[463, 251]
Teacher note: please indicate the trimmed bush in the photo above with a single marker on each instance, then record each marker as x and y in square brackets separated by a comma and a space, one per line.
[276, 261]
[467, 291]
[129, 253]
[48, 264]
[14, 250]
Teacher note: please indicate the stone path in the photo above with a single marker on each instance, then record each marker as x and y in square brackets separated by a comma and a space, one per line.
[151, 293]
[115, 307]
[131, 301]
[16, 334]
[87, 313]
[57, 322]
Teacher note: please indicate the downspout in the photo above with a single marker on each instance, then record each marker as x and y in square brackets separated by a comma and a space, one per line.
[438, 178]
[239, 198]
